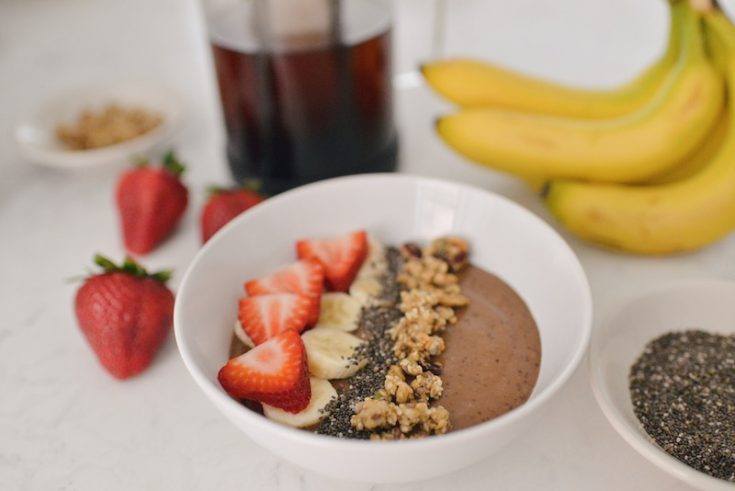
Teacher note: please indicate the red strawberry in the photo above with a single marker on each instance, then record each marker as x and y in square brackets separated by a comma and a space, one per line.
[266, 316]
[341, 257]
[125, 313]
[224, 205]
[302, 277]
[274, 373]
[151, 201]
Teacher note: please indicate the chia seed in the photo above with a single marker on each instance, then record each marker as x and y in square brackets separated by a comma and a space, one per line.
[683, 392]
[378, 350]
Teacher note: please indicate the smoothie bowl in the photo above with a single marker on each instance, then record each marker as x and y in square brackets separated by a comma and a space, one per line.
[372, 393]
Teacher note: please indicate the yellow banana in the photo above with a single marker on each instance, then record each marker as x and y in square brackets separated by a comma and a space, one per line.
[666, 218]
[701, 156]
[632, 148]
[471, 83]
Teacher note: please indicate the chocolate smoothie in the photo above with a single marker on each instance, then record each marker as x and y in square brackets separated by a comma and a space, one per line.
[492, 355]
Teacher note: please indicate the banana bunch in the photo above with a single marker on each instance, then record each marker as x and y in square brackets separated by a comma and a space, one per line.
[647, 168]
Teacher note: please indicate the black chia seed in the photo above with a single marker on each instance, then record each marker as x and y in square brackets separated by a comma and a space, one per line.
[683, 393]
[378, 350]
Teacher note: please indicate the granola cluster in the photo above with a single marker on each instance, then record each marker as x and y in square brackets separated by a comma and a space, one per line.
[108, 126]
[430, 295]
[400, 421]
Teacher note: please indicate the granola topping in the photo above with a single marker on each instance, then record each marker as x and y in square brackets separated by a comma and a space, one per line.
[405, 407]
[108, 126]
[453, 250]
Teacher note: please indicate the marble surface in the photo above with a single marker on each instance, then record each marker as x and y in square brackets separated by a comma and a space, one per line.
[65, 424]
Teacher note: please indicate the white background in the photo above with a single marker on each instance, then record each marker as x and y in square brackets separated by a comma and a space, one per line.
[65, 424]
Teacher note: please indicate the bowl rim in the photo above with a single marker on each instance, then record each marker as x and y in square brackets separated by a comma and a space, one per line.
[649, 450]
[459, 436]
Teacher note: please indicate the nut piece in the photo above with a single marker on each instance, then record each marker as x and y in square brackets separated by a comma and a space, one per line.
[453, 250]
[382, 395]
[453, 300]
[432, 420]
[411, 250]
[438, 422]
[373, 414]
[427, 386]
[447, 313]
[396, 386]
[417, 299]
[404, 393]
[395, 371]
[410, 367]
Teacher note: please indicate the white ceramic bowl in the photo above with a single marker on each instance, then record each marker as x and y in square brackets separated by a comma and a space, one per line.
[701, 304]
[35, 134]
[505, 239]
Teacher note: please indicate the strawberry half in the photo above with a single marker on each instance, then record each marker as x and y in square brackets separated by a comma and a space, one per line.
[151, 201]
[125, 314]
[302, 277]
[266, 316]
[222, 206]
[340, 256]
[274, 373]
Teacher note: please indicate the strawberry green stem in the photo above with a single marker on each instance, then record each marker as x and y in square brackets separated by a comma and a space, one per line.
[172, 164]
[130, 266]
[214, 190]
[248, 186]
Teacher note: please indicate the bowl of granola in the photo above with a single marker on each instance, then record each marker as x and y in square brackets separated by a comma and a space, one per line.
[383, 328]
[99, 124]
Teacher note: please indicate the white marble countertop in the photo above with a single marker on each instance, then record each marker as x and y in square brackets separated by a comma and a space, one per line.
[66, 424]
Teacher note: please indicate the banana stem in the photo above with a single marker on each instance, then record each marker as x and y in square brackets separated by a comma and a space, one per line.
[673, 45]
[693, 42]
[702, 5]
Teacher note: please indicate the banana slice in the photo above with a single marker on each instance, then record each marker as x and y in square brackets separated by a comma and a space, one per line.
[339, 311]
[329, 352]
[321, 393]
[366, 290]
[375, 263]
[243, 336]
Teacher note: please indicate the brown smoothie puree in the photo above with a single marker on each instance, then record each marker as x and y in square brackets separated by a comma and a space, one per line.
[492, 356]
[493, 353]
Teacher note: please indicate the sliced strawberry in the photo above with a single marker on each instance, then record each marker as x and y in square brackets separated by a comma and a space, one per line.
[274, 373]
[341, 257]
[266, 316]
[302, 277]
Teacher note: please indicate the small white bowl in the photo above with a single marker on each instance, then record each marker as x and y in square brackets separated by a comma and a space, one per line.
[505, 238]
[35, 134]
[707, 305]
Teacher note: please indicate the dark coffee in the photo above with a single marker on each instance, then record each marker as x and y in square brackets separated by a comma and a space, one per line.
[308, 112]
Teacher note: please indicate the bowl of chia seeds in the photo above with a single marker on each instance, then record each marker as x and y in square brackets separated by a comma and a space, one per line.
[663, 373]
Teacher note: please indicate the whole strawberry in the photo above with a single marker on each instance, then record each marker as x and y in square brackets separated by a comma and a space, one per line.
[125, 314]
[151, 201]
[222, 206]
